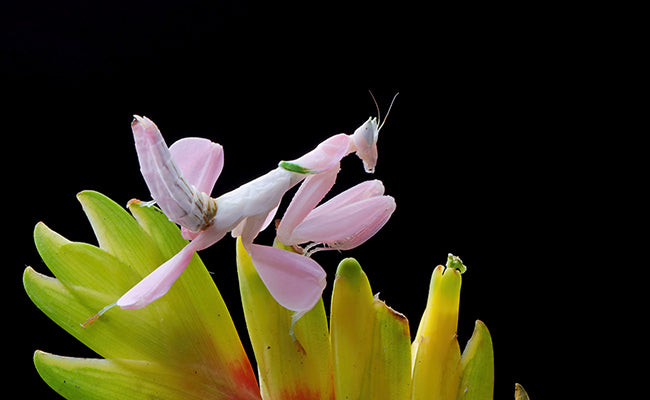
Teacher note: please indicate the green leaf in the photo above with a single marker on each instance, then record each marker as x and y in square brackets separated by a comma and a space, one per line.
[70, 261]
[100, 379]
[66, 309]
[190, 326]
[477, 364]
[119, 234]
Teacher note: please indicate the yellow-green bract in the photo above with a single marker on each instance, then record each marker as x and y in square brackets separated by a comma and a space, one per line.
[183, 346]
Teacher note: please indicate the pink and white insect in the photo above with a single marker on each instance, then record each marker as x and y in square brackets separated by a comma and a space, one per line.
[181, 178]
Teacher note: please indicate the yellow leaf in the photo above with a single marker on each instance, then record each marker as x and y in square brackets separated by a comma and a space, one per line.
[289, 369]
[370, 341]
[436, 353]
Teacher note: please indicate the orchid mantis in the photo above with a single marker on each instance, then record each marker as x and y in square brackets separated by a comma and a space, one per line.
[181, 178]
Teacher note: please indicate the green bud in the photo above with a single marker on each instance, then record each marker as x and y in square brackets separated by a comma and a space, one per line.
[456, 263]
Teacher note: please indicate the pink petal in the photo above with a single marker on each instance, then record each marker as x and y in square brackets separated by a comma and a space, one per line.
[179, 200]
[158, 283]
[310, 193]
[347, 227]
[296, 282]
[325, 156]
[199, 160]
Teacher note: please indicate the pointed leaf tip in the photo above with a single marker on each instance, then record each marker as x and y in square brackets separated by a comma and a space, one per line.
[520, 392]
[477, 365]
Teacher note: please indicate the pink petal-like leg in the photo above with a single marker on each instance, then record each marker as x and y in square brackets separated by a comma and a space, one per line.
[347, 227]
[199, 160]
[311, 192]
[296, 282]
[179, 200]
[157, 283]
[356, 193]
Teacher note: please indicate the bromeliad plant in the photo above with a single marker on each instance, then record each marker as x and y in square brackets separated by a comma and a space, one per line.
[164, 331]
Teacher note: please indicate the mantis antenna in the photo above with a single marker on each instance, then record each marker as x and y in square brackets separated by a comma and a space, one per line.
[381, 124]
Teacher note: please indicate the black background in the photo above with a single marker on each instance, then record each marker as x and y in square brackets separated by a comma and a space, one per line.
[479, 149]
